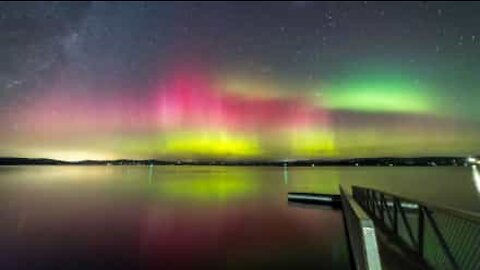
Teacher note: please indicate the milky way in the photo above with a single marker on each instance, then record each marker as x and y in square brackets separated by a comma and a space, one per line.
[239, 80]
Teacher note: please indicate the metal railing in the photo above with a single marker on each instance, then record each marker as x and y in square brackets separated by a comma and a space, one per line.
[443, 237]
[361, 235]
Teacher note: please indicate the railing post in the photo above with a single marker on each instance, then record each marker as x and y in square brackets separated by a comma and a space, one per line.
[370, 196]
[421, 230]
[382, 212]
[367, 196]
[395, 215]
[374, 208]
[369, 200]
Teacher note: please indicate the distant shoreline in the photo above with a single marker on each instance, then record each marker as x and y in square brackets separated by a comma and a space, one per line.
[353, 162]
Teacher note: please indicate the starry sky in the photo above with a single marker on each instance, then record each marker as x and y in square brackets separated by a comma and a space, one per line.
[239, 80]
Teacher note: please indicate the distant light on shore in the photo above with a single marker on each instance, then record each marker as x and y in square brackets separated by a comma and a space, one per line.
[473, 161]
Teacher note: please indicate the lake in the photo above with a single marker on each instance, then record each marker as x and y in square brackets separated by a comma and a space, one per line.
[177, 217]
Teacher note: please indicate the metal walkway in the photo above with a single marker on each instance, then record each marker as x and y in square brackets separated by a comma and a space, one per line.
[437, 237]
[387, 231]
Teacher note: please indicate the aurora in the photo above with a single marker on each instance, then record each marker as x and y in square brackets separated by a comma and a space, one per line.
[166, 84]
[379, 92]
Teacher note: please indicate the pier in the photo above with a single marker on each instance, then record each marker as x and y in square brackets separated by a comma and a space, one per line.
[389, 231]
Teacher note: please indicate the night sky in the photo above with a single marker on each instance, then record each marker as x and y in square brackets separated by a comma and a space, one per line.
[239, 80]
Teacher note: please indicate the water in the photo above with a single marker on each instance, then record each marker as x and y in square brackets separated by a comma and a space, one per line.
[163, 218]
[456, 187]
[178, 217]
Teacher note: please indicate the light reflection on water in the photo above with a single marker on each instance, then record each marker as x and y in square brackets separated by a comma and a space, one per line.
[185, 217]
[163, 217]
[476, 178]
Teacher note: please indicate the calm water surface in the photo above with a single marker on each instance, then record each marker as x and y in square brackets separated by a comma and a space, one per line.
[193, 217]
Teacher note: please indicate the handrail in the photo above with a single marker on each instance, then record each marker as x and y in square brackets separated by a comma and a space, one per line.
[361, 234]
[443, 237]
[465, 214]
